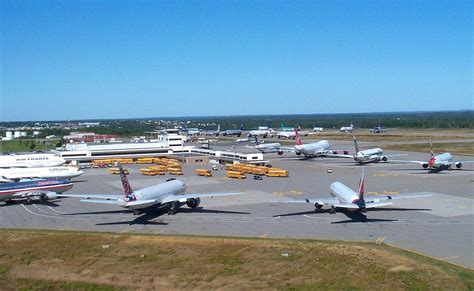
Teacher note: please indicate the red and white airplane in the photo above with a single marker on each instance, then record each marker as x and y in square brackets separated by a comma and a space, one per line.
[437, 163]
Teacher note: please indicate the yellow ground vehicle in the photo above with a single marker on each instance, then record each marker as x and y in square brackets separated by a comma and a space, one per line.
[175, 171]
[260, 170]
[276, 172]
[116, 171]
[148, 172]
[203, 172]
[236, 175]
[125, 161]
[158, 168]
[145, 161]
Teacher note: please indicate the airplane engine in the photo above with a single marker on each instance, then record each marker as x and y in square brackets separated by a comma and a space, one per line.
[335, 152]
[384, 158]
[346, 152]
[48, 196]
[280, 153]
[193, 202]
[458, 165]
[425, 165]
[298, 153]
[318, 206]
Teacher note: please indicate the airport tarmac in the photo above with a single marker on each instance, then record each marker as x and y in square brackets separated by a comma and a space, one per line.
[441, 226]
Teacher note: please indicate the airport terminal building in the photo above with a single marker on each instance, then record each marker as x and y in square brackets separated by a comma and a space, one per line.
[169, 143]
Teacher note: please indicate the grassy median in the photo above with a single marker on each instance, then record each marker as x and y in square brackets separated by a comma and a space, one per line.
[90, 261]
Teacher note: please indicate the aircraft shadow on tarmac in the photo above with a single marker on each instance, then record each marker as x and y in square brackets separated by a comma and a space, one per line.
[47, 203]
[356, 216]
[153, 213]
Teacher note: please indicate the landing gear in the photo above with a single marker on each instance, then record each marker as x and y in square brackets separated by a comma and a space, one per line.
[332, 210]
[28, 201]
[173, 209]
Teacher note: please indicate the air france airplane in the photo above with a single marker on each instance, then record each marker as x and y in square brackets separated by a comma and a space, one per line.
[30, 161]
[344, 197]
[170, 193]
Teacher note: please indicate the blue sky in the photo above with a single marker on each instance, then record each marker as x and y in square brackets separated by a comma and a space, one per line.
[94, 59]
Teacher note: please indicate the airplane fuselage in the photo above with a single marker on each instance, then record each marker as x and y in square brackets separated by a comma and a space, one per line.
[439, 162]
[44, 172]
[8, 190]
[313, 149]
[268, 147]
[344, 194]
[30, 161]
[157, 193]
[370, 155]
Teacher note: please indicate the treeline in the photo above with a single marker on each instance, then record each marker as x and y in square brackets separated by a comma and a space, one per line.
[457, 119]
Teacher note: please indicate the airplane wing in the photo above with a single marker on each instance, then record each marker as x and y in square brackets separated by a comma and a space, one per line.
[287, 149]
[381, 198]
[184, 197]
[407, 162]
[93, 196]
[339, 156]
[321, 201]
[377, 204]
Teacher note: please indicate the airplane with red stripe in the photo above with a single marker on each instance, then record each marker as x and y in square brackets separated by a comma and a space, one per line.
[436, 163]
[345, 198]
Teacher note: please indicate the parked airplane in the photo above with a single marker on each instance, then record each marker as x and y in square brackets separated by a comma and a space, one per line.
[347, 128]
[379, 129]
[437, 163]
[274, 147]
[236, 132]
[318, 129]
[345, 198]
[42, 189]
[373, 155]
[15, 174]
[315, 149]
[262, 131]
[214, 132]
[170, 193]
[193, 131]
[30, 161]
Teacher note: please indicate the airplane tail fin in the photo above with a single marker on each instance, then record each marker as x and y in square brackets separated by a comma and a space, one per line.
[356, 145]
[219, 128]
[431, 149]
[361, 186]
[127, 189]
[298, 138]
[257, 142]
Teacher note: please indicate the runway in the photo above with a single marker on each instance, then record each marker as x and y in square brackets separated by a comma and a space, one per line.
[440, 226]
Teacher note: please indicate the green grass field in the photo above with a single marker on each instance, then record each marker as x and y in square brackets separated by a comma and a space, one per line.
[102, 261]
[459, 148]
[25, 145]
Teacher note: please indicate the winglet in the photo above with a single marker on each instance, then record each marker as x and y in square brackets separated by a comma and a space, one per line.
[361, 186]
[356, 145]
[126, 185]
[298, 138]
